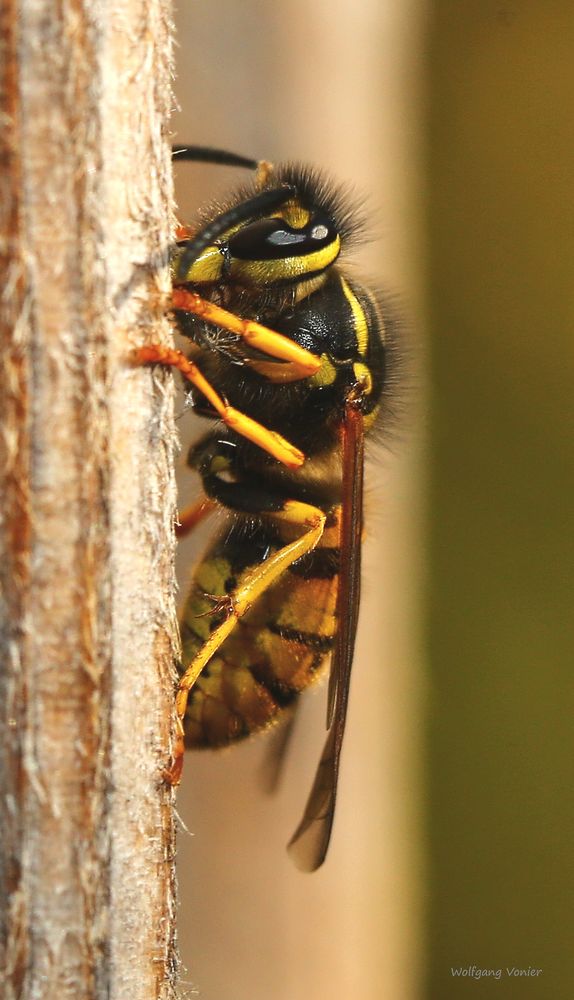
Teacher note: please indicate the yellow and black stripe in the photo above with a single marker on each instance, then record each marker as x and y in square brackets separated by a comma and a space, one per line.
[290, 354]
[277, 648]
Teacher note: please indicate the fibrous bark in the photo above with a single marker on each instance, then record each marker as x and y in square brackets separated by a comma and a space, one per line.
[87, 629]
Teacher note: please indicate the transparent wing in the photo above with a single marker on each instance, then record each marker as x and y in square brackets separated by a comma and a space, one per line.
[276, 751]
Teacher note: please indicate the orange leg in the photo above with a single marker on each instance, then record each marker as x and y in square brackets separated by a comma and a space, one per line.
[269, 441]
[193, 515]
[300, 363]
[183, 233]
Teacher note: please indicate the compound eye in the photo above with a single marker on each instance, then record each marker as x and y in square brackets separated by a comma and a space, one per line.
[274, 239]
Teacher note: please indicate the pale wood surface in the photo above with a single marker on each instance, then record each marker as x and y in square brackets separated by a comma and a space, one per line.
[86, 616]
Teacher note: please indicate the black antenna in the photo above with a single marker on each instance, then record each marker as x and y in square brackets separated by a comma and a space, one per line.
[206, 154]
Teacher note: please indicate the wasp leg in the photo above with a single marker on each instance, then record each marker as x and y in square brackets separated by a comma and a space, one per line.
[300, 363]
[191, 516]
[183, 233]
[269, 441]
[254, 583]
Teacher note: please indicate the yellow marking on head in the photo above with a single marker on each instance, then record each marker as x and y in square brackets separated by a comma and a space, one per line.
[207, 267]
[266, 272]
[294, 214]
[359, 318]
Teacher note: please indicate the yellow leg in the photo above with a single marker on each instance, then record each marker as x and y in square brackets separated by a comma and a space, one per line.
[269, 441]
[300, 363]
[255, 582]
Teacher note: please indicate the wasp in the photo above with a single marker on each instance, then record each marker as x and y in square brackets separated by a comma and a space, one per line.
[289, 354]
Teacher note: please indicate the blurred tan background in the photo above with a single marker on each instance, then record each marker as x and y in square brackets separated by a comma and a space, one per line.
[451, 845]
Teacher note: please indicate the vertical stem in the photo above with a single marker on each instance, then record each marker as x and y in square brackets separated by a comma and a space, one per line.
[87, 628]
[137, 170]
[14, 516]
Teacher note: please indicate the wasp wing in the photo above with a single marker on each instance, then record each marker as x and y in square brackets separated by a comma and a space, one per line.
[279, 742]
[349, 592]
[309, 843]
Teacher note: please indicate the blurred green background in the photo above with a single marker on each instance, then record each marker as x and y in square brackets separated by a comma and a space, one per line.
[500, 245]
[453, 838]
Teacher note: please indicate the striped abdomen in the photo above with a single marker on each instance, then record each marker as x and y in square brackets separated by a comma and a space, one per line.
[275, 650]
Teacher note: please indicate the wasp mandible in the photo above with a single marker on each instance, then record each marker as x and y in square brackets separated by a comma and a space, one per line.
[289, 355]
